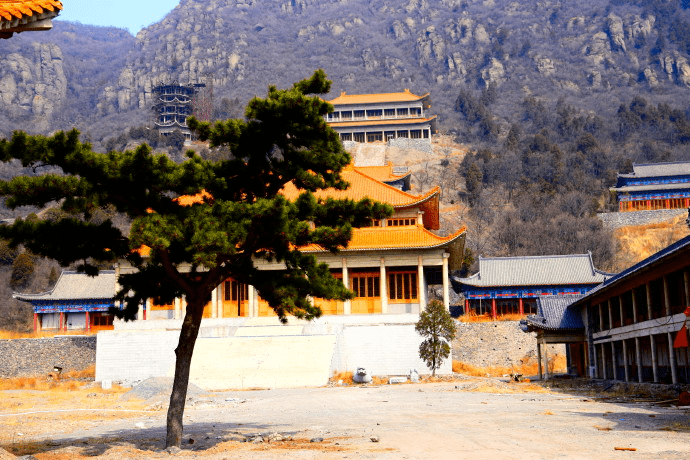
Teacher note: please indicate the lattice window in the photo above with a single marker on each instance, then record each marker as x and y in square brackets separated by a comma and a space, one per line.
[100, 319]
[402, 286]
[366, 285]
[234, 291]
[400, 222]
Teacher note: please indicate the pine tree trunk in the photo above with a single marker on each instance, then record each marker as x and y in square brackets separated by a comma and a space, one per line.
[183, 353]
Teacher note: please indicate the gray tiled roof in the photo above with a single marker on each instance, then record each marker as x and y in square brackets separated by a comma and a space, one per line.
[73, 285]
[679, 168]
[535, 271]
[554, 314]
[682, 245]
[651, 187]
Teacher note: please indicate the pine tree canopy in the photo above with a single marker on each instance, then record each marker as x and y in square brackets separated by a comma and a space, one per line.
[438, 328]
[239, 217]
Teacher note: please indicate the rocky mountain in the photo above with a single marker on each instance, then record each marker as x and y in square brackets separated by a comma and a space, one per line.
[33, 84]
[52, 80]
[594, 54]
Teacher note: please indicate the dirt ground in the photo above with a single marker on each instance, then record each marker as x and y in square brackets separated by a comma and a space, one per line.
[468, 417]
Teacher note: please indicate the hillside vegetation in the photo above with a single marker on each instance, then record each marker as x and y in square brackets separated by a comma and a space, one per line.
[541, 103]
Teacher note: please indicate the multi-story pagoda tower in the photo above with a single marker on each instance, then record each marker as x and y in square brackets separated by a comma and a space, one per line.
[173, 104]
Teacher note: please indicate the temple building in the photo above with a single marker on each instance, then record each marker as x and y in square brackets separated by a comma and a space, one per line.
[556, 323]
[27, 16]
[654, 186]
[173, 104]
[512, 285]
[77, 302]
[394, 266]
[634, 323]
[388, 265]
[381, 117]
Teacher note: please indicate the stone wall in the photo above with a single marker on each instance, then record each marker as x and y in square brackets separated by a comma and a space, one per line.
[423, 145]
[500, 343]
[624, 219]
[38, 357]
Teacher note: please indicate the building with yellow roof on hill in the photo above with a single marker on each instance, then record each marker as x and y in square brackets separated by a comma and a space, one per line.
[390, 265]
[381, 117]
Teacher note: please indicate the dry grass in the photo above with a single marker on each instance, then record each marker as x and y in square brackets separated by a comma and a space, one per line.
[346, 377]
[70, 380]
[639, 242]
[510, 387]
[13, 335]
[528, 366]
[472, 317]
[71, 402]
[603, 428]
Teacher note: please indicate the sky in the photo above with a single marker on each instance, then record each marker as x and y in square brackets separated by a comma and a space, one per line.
[132, 15]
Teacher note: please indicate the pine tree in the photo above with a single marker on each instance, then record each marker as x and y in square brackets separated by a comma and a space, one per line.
[239, 215]
[436, 324]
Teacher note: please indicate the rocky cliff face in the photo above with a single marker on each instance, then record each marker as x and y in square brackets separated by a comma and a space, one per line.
[33, 85]
[452, 43]
[543, 48]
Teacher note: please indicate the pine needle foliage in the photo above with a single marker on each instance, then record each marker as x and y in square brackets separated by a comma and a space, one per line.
[238, 219]
[438, 328]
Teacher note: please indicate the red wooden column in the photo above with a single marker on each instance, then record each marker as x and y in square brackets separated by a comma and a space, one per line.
[467, 306]
[522, 307]
[494, 313]
[667, 204]
[88, 322]
[35, 322]
[61, 325]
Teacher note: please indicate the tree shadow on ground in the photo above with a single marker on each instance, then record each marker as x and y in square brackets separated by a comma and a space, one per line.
[650, 419]
[197, 437]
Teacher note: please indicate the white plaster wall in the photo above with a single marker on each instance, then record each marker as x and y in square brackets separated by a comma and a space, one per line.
[384, 349]
[166, 324]
[132, 356]
[218, 363]
[262, 362]
[278, 330]
[160, 314]
[260, 353]
[403, 308]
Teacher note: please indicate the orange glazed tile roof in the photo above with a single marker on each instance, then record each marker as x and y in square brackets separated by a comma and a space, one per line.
[405, 96]
[380, 238]
[17, 9]
[365, 186]
[188, 200]
[381, 173]
[391, 121]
